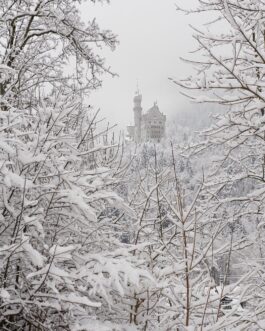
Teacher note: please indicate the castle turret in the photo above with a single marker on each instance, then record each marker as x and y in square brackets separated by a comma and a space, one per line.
[137, 109]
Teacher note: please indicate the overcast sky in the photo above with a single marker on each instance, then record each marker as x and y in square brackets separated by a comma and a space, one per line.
[152, 36]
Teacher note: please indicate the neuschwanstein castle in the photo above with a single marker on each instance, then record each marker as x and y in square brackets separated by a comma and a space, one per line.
[149, 126]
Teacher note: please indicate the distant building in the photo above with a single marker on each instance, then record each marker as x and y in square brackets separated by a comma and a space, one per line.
[149, 126]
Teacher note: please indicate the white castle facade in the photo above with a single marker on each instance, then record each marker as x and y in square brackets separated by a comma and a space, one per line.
[149, 126]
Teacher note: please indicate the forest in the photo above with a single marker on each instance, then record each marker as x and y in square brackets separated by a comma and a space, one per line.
[100, 234]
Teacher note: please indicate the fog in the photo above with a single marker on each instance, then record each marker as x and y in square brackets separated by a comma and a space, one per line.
[152, 36]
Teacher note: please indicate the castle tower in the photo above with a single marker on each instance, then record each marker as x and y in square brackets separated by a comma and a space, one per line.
[137, 109]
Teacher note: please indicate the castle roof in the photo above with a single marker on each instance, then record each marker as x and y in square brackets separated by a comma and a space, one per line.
[154, 111]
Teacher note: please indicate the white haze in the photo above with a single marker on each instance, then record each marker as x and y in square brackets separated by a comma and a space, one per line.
[153, 36]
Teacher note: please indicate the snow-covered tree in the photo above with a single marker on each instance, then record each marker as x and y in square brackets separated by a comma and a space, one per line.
[230, 71]
[182, 230]
[63, 265]
[40, 40]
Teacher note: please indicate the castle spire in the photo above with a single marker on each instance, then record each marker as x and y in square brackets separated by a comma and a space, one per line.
[137, 109]
[137, 92]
